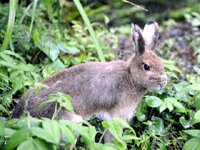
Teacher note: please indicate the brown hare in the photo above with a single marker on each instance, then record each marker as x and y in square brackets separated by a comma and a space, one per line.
[108, 89]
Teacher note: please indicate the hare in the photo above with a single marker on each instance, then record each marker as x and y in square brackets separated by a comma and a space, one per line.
[107, 89]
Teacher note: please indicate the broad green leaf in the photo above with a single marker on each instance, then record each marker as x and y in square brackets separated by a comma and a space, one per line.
[1, 126]
[17, 138]
[41, 133]
[194, 133]
[26, 145]
[185, 123]
[158, 125]
[153, 101]
[39, 144]
[9, 132]
[67, 49]
[52, 127]
[68, 133]
[197, 102]
[49, 48]
[192, 144]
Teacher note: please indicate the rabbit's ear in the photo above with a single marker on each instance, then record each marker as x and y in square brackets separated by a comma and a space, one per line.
[150, 34]
[137, 39]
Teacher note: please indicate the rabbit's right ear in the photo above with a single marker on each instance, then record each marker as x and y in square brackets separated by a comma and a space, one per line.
[151, 34]
[138, 40]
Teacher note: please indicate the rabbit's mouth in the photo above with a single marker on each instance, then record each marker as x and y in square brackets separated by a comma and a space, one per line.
[157, 84]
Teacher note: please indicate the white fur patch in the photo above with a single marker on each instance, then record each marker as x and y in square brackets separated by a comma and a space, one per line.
[149, 33]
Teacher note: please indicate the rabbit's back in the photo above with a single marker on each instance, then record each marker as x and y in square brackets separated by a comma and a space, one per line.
[94, 88]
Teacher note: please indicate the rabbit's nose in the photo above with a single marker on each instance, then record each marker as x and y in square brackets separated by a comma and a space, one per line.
[163, 80]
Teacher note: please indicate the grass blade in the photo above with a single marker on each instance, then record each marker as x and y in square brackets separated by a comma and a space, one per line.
[11, 20]
[33, 16]
[89, 26]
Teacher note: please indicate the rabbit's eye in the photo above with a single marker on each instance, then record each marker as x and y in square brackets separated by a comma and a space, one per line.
[146, 67]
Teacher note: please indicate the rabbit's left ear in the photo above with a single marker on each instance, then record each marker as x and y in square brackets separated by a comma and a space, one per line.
[151, 34]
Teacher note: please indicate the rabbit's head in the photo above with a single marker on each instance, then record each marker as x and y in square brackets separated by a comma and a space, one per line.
[146, 67]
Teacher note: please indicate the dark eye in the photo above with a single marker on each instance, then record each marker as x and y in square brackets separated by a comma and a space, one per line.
[146, 67]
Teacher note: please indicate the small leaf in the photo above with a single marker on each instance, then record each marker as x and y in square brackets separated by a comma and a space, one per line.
[115, 130]
[36, 36]
[153, 101]
[185, 123]
[17, 138]
[192, 144]
[39, 144]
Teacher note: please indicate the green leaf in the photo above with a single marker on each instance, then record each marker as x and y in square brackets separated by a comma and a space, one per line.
[158, 125]
[185, 123]
[51, 99]
[52, 127]
[32, 16]
[81, 130]
[194, 133]
[68, 133]
[197, 102]
[8, 64]
[39, 144]
[153, 101]
[1, 126]
[26, 145]
[14, 54]
[11, 21]
[41, 133]
[36, 36]
[115, 130]
[130, 137]
[67, 49]
[192, 144]
[197, 117]
[195, 86]
[180, 106]
[122, 122]
[17, 138]
[9, 132]
[4, 110]
[49, 48]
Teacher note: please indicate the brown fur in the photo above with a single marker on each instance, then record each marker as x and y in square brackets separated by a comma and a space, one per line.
[109, 89]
